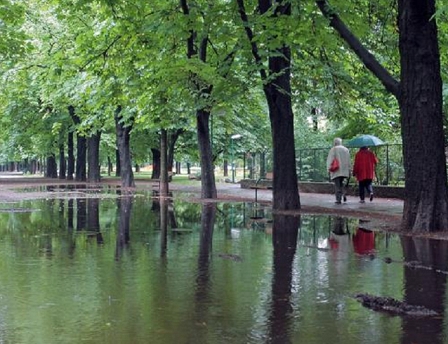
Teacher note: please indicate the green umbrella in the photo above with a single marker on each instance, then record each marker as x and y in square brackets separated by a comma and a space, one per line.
[365, 141]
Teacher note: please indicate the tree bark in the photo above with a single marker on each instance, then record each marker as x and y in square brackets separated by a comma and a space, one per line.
[71, 157]
[155, 163]
[80, 172]
[208, 189]
[62, 162]
[426, 199]
[123, 131]
[94, 158]
[81, 149]
[118, 167]
[163, 164]
[52, 167]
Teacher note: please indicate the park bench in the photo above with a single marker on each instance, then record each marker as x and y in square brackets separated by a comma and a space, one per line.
[268, 176]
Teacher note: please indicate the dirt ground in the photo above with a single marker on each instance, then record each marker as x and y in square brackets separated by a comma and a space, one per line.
[383, 214]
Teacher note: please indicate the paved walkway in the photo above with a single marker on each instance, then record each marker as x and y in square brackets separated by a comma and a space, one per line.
[387, 206]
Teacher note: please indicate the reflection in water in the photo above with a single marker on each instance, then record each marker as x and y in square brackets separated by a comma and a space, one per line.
[125, 206]
[340, 234]
[202, 287]
[81, 214]
[274, 293]
[285, 232]
[93, 218]
[163, 208]
[364, 241]
[423, 286]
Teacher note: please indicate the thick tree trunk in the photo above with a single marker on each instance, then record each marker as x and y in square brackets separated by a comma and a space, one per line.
[277, 89]
[420, 100]
[155, 163]
[71, 157]
[81, 149]
[118, 167]
[94, 158]
[123, 131]
[80, 172]
[62, 162]
[52, 167]
[208, 189]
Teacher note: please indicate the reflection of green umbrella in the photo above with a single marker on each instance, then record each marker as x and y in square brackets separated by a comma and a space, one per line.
[365, 141]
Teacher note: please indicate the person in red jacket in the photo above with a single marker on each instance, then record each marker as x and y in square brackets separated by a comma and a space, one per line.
[364, 171]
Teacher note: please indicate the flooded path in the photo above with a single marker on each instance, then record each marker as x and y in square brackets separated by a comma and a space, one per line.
[136, 270]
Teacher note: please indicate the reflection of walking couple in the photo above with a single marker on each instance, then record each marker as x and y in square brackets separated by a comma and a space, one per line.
[363, 239]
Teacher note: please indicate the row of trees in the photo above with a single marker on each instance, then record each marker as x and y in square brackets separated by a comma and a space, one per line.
[138, 76]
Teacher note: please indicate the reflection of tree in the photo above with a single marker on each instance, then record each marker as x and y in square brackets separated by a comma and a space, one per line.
[163, 225]
[203, 275]
[81, 214]
[93, 218]
[125, 206]
[285, 232]
[425, 287]
[70, 214]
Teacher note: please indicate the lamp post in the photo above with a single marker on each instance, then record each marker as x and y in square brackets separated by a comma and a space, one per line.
[232, 138]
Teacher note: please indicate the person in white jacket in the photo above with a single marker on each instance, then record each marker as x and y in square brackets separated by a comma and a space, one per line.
[342, 154]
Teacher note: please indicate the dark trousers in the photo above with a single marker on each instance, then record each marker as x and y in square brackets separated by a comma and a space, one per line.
[364, 185]
[339, 189]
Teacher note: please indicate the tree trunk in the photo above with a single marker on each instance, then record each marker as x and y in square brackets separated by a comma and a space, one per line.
[208, 189]
[163, 164]
[198, 49]
[52, 167]
[117, 159]
[94, 158]
[171, 144]
[277, 89]
[62, 163]
[80, 172]
[109, 166]
[426, 199]
[81, 148]
[123, 131]
[71, 157]
[155, 163]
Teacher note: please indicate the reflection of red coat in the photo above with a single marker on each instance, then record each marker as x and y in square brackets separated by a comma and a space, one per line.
[364, 166]
[364, 241]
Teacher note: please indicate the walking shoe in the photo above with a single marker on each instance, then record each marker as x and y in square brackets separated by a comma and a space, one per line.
[345, 198]
[362, 201]
[371, 197]
[337, 202]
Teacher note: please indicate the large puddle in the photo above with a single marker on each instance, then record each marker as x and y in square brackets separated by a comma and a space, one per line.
[134, 270]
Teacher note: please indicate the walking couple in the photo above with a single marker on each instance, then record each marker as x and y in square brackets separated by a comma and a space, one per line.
[338, 164]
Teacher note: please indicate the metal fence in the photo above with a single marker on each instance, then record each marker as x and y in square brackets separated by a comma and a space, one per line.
[311, 164]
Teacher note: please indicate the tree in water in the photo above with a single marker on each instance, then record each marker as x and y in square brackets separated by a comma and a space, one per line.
[419, 96]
